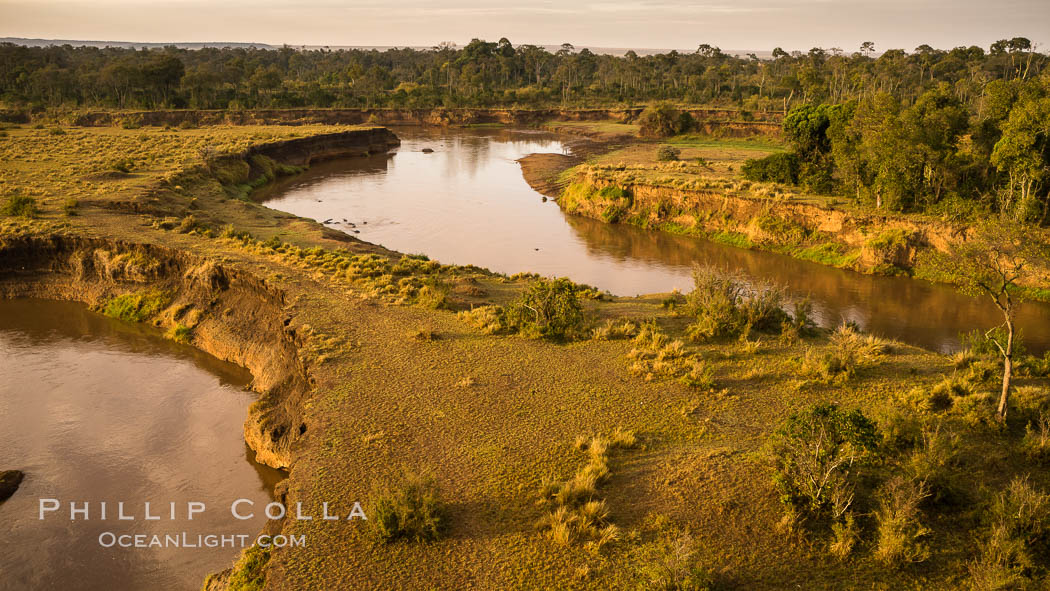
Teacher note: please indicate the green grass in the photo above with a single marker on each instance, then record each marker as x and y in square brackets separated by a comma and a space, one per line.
[249, 574]
[829, 253]
[757, 143]
[136, 307]
[180, 333]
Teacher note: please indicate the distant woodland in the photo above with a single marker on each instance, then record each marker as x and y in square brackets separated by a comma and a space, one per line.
[490, 74]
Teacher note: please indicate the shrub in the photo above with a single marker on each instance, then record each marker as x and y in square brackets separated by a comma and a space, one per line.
[547, 308]
[489, 319]
[410, 509]
[932, 464]
[901, 533]
[940, 397]
[982, 343]
[1001, 562]
[1036, 442]
[668, 153]
[1020, 518]
[434, 295]
[814, 453]
[661, 120]
[700, 375]
[574, 511]
[615, 329]
[70, 206]
[849, 352]
[123, 165]
[775, 168]
[21, 206]
[845, 535]
[671, 566]
[725, 307]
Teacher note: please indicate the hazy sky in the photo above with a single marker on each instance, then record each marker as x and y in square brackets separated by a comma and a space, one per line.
[730, 24]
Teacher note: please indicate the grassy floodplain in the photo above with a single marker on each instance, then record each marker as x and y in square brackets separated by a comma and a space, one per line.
[676, 423]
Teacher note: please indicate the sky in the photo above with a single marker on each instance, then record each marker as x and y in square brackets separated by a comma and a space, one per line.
[663, 24]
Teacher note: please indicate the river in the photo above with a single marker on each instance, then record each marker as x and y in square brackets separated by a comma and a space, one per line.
[467, 203]
[94, 409]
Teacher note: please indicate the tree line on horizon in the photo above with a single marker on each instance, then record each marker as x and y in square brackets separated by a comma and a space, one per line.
[495, 74]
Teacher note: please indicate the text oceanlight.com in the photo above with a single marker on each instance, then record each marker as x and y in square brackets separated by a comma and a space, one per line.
[185, 540]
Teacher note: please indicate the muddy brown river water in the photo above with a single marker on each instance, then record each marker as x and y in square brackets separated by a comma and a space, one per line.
[92, 410]
[467, 203]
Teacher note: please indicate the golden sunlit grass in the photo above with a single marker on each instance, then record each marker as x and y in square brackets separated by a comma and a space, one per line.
[93, 163]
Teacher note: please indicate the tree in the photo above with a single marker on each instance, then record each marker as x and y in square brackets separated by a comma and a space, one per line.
[990, 265]
[814, 454]
[1022, 153]
[659, 120]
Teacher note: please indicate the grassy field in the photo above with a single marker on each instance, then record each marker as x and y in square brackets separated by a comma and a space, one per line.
[403, 381]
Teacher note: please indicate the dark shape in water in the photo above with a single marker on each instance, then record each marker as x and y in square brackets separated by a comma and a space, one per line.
[9, 482]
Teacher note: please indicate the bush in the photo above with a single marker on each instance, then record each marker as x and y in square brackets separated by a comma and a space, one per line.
[901, 533]
[663, 120]
[70, 206]
[725, 307]
[849, 352]
[180, 333]
[982, 343]
[1036, 442]
[775, 168]
[489, 319]
[434, 295]
[410, 509]
[845, 535]
[548, 308]
[668, 154]
[123, 165]
[574, 511]
[21, 206]
[700, 375]
[615, 329]
[933, 462]
[671, 566]
[814, 453]
[1020, 519]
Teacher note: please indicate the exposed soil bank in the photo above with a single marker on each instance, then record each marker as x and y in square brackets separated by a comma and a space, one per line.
[868, 243]
[232, 315]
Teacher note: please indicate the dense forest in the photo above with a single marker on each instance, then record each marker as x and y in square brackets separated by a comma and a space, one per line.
[494, 74]
[934, 155]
